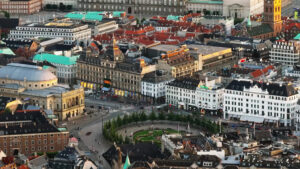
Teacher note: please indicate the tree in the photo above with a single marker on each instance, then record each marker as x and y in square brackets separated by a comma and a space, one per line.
[7, 111]
[62, 7]
[6, 14]
[54, 6]
[143, 20]
[152, 116]
[161, 116]
[143, 116]
[135, 117]
[125, 119]
[171, 116]
[48, 6]
[127, 140]
[69, 7]
[119, 121]
[137, 21]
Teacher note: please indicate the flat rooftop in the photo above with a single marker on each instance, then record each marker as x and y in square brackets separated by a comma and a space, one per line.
[165, 48]
[204, 49]
[54, 90]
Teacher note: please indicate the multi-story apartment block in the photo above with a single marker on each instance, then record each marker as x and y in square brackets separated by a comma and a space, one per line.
[40, 86]
[29, 132]
[144, 7]
[287, 53]
[65, 66]
[211, 57]
[97, 21]
[261, 102]
[209, 94]
[195, 94]
[111, 71]
[154, 84]
[70, 31]
[214, 7]
[181, 93]
[21, 6]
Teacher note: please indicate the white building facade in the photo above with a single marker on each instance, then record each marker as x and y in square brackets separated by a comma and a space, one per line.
[66, 29]
[195, 94]
[242, 9]
[260, 102]
[214, 7]
[287, 53]
[145, 7]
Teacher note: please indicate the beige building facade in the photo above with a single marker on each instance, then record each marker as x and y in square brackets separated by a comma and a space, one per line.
[64, 101]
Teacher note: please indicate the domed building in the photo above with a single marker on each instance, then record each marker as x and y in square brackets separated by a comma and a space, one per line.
[29, 76]
[39, 87]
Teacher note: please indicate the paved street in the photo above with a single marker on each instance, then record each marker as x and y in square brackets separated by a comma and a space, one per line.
[93, 123]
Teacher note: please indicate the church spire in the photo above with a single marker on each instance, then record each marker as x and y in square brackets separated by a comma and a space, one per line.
[127, 163]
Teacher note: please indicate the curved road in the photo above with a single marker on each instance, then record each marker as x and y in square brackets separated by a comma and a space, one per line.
[94, 142]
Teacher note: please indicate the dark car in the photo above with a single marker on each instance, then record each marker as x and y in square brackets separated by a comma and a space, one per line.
[92, 106]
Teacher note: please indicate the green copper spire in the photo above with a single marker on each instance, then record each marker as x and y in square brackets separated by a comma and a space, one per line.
[127, 163]
[249, 22]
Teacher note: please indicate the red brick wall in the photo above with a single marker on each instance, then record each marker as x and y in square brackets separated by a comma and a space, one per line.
[30, 143]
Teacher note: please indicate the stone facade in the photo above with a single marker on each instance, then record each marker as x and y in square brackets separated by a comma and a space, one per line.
[144, 7]
[124, 76]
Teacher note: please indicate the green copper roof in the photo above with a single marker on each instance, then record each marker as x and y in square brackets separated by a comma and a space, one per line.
[249, 24]
[206, 2]
[62, 129]
[297, 37]
[127, 163]
[58, 59]
[259, 30]
[173, 18]
[204, 87]
[46, 67]
[118, 13]
[92, 15]
[6, 51]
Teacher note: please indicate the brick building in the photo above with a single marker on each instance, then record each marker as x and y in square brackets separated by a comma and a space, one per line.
[29, 132]
[21, 6]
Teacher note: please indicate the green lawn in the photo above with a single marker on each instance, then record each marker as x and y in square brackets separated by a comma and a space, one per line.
[151, 135]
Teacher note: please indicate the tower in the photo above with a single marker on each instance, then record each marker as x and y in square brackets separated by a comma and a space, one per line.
[272, 15]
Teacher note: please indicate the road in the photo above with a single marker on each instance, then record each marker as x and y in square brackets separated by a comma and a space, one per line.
[93, 123]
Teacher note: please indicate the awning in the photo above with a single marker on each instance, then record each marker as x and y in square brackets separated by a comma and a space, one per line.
[252, 119]
[105, 89]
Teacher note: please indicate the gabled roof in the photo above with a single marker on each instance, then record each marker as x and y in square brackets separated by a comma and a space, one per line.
[9, 23]
[275, 89]
[56, 59]
[259, 30]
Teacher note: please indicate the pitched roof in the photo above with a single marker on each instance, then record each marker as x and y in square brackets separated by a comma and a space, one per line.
[9, 23]
[259, 30]
[272, 88]
[56, 59]
[187, 83]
